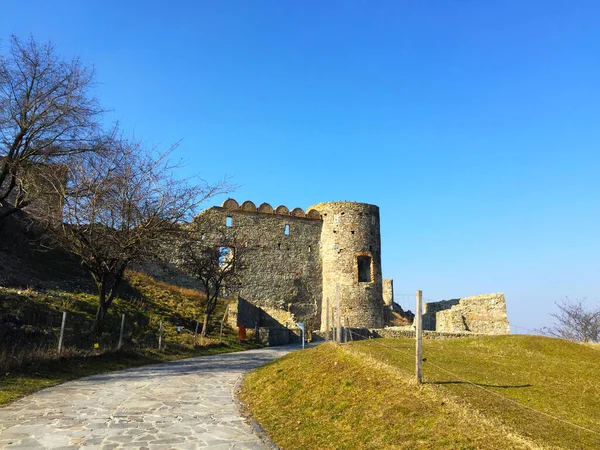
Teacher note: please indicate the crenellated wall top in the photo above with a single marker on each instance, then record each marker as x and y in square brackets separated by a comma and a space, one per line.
[265, 208]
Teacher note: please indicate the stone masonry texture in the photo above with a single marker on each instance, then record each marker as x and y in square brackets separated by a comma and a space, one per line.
[294, 260]
[485, 314]
[388, 292]
[351, 230]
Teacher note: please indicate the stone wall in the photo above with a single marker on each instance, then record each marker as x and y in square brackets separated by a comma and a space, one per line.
[350, 235]
[430, 309]
[243, 313]
[485, 314]
[39, 180]
[282, 267]
[388, 293]
[294, 262]
[273, 336]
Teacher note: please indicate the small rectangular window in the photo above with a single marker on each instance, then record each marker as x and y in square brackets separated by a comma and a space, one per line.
[228, 221]
[335, 246]
[286, 230]
[364, 269]
[336, 218]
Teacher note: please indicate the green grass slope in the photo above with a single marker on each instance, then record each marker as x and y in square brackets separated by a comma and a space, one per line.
[30, 322]
[501, 392]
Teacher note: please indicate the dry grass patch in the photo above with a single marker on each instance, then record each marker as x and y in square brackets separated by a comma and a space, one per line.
[326, 398]
[500, 392]
[545, 390]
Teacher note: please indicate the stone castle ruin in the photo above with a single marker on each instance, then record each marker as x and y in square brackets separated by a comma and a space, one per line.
[297, 263]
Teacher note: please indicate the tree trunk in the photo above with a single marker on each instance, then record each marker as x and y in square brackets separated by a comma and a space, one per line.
[101, 311]
[204, 326]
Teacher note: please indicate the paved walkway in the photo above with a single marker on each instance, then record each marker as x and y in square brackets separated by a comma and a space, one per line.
[184, 404]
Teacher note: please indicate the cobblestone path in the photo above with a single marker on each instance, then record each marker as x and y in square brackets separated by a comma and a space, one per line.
[184, 404]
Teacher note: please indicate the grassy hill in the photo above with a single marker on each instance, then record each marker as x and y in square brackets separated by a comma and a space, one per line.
[38, 284]
[30, 320]
[504, 392]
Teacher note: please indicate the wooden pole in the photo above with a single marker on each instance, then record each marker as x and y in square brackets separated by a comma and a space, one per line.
[327, 319]
[122, 331]
[62, 333]
[348, 333]
[419, 339]
[339, 315]
[160, 332]
[223, 320]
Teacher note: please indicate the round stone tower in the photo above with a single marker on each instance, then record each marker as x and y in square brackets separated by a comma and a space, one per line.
[351, 256]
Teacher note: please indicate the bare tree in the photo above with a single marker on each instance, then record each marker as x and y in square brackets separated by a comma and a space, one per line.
[47, 115]
[217, 268]
[119, 206]
[575, 322]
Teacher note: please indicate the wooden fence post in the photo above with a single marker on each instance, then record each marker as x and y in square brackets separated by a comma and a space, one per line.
[196, 332]
[120, 346]
[62, 333]
[419, 338]
[327, 319]
[339, 314]
[160, 332]
[223, 320]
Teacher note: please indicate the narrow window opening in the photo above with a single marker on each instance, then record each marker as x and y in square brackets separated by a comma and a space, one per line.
[286, 230]
[309, 248]
[225, 255]
[373, 220]
[279, 246]
[202, 236]
[228, 221]
[336, 246]
[364, 269]
[336, 218]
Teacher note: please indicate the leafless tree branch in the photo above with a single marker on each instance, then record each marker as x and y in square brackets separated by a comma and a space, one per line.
[47, 116]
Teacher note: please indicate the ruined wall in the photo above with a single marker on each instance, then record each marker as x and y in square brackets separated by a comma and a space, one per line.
[38, 179]
[430, 309]
[484, 314]
[388, 292]
[351, 231]
[282, 272]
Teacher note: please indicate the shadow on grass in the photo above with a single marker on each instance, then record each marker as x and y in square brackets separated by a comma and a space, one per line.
[502, 386]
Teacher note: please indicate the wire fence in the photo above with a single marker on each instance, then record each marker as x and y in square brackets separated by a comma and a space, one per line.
[42, 335]
[406, 301]
[408, 354]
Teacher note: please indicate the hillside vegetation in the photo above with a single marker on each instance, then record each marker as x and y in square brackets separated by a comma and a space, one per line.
[502, 392]
[30, 320]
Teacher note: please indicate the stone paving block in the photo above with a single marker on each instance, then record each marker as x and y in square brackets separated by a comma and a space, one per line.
[182, 404]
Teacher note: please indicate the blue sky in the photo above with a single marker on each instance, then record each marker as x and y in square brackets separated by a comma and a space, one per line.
[472, 124]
